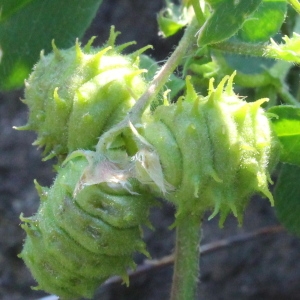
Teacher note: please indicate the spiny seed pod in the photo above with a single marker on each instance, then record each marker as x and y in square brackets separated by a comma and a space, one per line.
[74, 95]
[207, 152]
[75, 242]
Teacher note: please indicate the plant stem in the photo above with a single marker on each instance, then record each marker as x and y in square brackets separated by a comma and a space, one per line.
[286, 96]
[134, 115]
[198, 11]
[248, 49]
[166, 70]
[241, 48]
[295, 4]
[187, 255]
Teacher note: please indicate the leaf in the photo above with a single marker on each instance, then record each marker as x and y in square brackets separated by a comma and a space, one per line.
[214, 3]
[251, 71]
[287, 197]
[264, 22]
[8, 7]
[167, 26]
[171, 19]
[287, 128]
[29, 26]
[227, 18]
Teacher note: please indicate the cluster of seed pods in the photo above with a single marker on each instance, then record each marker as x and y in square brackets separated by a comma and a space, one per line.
[200, 153]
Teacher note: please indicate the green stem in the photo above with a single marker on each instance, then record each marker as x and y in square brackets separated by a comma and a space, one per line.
[198, 11]
[286, 96]
[187, 255]
[295, 4]
[241, 48]
[248, 49]
[134, 115]
[164, 73]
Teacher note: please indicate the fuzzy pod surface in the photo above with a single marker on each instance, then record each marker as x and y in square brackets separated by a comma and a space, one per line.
[76, 241]
[208, 153]
[74, 95]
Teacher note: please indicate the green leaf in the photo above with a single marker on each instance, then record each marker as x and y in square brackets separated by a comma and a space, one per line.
[167, 26]
[287, 128]
[227, 18]
[251, 71]
[287, 198]
[214, 3]
[8, 7]
[171, 19]
[29, 26]
[264, 22]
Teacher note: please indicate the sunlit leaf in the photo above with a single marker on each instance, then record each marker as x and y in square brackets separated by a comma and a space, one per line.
[287, 127]
[287, 197]
[167, 26]
[227, 18]
[171, 19]
[27, 27]
[264, 22]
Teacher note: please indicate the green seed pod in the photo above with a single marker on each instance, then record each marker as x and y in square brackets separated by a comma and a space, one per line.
[74, 95]
[76, 241]
[209, 152]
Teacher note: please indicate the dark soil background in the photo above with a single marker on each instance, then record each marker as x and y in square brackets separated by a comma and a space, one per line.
[264, 268]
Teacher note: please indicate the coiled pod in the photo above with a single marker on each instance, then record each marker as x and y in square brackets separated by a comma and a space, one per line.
[207, 152]
[76, 241]
[74, 95]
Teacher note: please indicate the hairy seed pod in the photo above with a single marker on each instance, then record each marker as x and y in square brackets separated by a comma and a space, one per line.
[75, 242]
[207, 152]
[74, 95]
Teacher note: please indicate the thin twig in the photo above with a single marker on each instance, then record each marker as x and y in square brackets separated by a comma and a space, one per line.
[153, 265]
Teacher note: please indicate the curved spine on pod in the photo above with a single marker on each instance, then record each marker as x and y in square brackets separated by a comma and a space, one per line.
[81, 236]
[214, 152]
[74, 95]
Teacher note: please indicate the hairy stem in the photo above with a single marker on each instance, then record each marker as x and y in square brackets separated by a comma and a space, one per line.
[187, 255]
[155, 86]
[240, 48]
[164, 73]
